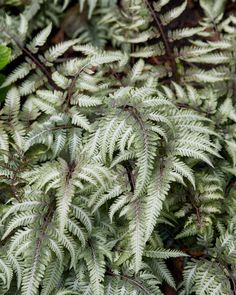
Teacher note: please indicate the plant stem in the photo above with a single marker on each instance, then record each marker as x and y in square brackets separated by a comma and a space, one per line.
[168, 48]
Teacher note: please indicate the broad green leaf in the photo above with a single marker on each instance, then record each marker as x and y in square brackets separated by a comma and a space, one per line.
[5, 55]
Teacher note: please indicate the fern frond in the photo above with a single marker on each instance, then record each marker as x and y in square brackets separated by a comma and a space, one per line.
[54, 52]
[157, 192]
[53, 274]
[163, 253]
[40, 39]
[95, 264]
[173, 14]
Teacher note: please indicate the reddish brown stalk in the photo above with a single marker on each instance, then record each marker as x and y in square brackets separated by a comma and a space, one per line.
[130, 175]
[164, 37]
[133, 281]
[36, 61]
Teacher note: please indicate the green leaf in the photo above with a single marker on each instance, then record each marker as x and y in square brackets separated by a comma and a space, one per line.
[5, 55]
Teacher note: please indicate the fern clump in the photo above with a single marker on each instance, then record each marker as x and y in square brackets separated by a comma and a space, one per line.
[117, 147]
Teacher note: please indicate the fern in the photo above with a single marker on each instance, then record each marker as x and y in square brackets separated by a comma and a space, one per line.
[118, 147]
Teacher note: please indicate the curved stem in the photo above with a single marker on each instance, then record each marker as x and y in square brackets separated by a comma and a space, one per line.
[131, 280]
[168, 48]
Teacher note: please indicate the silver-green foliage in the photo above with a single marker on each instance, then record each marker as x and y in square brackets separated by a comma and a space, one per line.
[110, 164]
